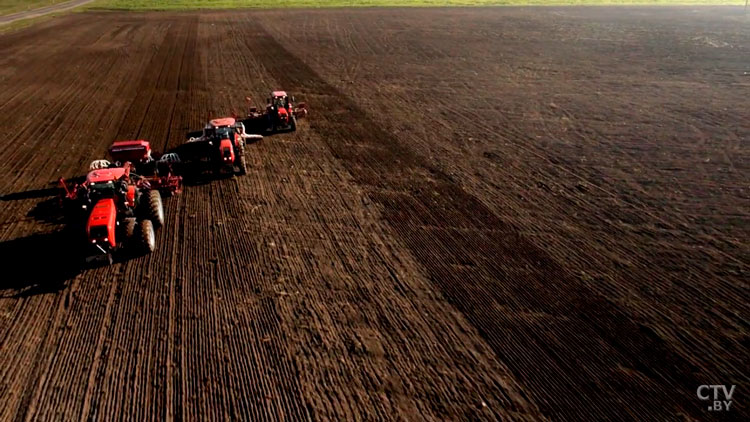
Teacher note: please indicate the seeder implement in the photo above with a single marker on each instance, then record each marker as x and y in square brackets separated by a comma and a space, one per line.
[158, 172]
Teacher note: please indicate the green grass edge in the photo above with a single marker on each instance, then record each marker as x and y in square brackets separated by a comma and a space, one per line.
[162, 5]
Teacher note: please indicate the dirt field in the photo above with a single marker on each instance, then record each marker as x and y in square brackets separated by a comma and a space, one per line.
[490, 214]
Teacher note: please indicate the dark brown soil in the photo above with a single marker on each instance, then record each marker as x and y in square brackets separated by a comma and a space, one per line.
[490, 214]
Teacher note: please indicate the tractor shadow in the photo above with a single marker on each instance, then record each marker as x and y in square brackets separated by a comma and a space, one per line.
[30, 194]
[47, 211]
[49, 208]
[38, 264]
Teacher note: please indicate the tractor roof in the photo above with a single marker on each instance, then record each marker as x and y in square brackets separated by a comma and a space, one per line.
[105, 175]
[278, 94]
[224, 121]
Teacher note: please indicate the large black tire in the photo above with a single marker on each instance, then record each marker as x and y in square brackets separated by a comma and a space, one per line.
[293, 124]
[241, 159]
[155, 208]
[130, 226]
[148, 236]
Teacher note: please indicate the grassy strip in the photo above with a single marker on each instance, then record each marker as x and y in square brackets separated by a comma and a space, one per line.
[229, 4]
[12, 6]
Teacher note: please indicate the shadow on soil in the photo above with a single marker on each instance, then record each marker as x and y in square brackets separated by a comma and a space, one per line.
[38, 264]
[48, 210]
[30, 194]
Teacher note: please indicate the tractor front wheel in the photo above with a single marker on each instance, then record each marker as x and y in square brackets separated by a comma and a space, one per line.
[148, 236]
[241, 159]
[155, 211]
[130, 226]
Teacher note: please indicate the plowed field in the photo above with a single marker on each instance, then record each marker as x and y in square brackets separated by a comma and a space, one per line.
[489, 214]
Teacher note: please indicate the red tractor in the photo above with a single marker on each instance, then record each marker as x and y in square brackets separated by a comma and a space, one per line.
[159, 173]
[281, 114]
[119, 210]
[219, 148]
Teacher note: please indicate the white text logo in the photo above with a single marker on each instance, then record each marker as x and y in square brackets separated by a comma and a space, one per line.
[719, 395]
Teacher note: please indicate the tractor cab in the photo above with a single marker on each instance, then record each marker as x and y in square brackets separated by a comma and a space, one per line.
[106, 175]
[103, 181]
[224, 122]
[223, 128]
[278, 100]
[112, 183]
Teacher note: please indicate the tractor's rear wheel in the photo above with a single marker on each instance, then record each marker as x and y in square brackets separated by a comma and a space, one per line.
[148, 236]
[293, 124]
[241, 159]
[155, 211]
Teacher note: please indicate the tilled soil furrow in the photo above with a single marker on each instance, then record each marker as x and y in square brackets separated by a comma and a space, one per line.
[202, 326]
[61, 387]
[543, 285]
[583, 185]
[153, 81]
[278, 397]
[273, 394]
[23, 83]
[40, 326]
[375, 382]
[373, 325]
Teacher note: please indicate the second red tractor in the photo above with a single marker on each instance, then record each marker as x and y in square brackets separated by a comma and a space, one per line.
[219, 148]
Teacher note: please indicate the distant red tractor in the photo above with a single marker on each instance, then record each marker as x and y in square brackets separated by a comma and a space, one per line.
[281, 114]
[119, 210]
[219, 148]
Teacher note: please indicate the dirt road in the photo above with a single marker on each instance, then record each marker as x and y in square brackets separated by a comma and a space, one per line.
[41, 11]
[490, 214]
